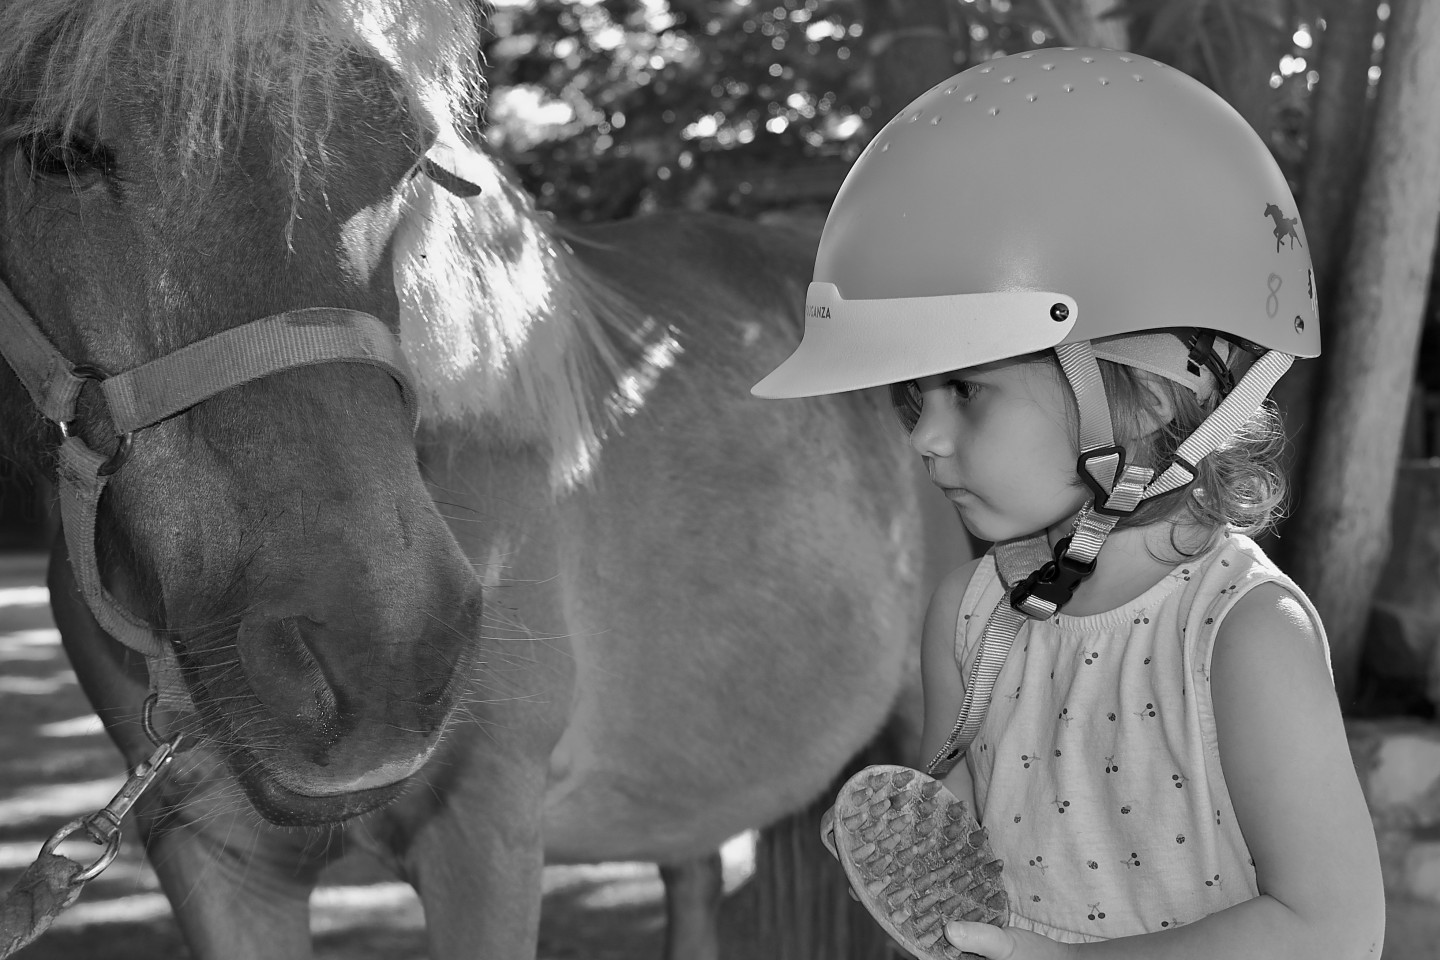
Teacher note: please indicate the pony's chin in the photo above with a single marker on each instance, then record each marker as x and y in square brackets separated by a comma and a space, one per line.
[288, 808]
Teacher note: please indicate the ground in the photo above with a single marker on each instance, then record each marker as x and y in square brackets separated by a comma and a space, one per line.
[56, 764]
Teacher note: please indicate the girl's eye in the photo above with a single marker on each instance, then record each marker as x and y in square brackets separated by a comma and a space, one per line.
[964, 389]
[909, 399]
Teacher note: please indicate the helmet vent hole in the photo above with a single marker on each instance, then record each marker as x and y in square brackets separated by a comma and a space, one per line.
[915, 116]
[1138, 78]
[986, 69]
[1031, 97]
[1047, 66]
[1126, 59]
[935, 121]
[1104, 82]
[884, 147]
[1068, 88]
[969, 98]
[994, 111]
[949, 90]
[1087, 59]
[1010, 79]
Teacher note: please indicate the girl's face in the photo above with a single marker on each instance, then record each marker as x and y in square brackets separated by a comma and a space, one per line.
[998, 442]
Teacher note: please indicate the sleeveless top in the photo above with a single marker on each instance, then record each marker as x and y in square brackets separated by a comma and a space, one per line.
[1097, 769]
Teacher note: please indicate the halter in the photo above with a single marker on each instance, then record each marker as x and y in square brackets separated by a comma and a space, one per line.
[168, 386]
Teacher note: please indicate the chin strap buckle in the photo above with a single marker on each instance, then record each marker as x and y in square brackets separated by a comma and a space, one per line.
[1041, 595]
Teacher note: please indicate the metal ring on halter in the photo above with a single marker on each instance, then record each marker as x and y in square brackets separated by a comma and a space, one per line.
[147, 723]
[86, 371]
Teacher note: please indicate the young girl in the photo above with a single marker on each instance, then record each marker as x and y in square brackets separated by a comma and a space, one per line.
[1080, 273]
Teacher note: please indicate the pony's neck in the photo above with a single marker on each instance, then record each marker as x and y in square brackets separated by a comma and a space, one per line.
[509, 331]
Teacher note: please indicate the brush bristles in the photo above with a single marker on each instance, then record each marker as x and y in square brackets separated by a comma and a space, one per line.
[918, 858]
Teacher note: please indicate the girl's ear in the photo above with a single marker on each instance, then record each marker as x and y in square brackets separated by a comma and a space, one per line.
[1159, 403]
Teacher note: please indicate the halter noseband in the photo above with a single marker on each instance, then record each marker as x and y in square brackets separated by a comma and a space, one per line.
[143, 396]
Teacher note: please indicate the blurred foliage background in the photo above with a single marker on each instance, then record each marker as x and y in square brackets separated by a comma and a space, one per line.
[608, 108]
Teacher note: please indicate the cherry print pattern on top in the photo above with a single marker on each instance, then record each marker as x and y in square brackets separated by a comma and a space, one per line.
[1100, 779]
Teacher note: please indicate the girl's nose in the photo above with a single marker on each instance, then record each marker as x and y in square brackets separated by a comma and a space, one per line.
[934, 433]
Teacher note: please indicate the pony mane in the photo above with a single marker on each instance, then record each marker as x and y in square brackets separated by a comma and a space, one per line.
[207, 60]
[510, 332]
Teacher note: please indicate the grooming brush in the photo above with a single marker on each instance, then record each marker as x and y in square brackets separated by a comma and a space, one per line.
[915, 857]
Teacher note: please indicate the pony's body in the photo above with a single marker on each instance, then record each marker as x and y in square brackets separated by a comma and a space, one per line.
[697, 606]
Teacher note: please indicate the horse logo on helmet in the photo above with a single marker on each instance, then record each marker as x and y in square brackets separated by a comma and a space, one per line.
[1284, 226]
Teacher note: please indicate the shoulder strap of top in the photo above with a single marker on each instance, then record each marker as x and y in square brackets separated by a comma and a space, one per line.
[1001, 629]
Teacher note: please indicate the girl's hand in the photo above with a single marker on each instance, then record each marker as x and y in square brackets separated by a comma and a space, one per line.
[1004, 943]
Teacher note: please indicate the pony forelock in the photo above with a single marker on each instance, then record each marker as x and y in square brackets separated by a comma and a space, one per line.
[207, 61]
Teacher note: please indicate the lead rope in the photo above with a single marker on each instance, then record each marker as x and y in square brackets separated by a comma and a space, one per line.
[1041, 594]
[53, 881]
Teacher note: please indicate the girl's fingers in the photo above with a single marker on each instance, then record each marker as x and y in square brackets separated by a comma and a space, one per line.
[988, 941]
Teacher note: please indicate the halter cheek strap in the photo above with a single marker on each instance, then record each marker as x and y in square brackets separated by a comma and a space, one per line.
[1117, 488]
[162, 388]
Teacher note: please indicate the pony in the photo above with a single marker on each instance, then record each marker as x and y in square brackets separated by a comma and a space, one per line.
[599, 604]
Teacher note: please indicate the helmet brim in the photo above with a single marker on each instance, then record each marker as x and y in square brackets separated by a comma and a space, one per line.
[858, 344]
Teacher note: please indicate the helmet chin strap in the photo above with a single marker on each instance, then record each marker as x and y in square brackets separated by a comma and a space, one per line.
[1117, 488]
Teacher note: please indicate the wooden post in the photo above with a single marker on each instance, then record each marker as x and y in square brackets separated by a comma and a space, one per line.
[1341, 533]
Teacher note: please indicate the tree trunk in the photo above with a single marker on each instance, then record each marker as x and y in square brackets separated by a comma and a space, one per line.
[1327, 196]
[1105, 31]
[1341, 535]
[914, 44]
[1082, 23]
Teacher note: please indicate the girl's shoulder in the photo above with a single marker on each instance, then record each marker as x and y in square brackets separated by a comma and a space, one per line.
[1239, 591]
[1233, 566]
[950, 592]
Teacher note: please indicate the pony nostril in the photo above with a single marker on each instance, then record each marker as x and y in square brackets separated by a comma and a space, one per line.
[285, 675]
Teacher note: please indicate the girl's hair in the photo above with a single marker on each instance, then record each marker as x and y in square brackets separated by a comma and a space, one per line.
[1240, 485]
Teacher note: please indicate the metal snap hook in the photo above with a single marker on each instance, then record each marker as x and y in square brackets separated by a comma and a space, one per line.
[103, 826]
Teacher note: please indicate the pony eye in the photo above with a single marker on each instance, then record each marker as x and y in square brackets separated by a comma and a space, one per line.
[71, 157]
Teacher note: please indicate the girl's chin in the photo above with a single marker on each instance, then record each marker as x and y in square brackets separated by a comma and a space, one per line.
[981, 527]
[992, 529]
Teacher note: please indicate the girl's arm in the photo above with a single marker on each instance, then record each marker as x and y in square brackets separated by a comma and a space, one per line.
[940, 676]
[1298, 801]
